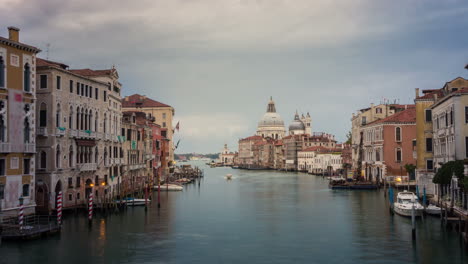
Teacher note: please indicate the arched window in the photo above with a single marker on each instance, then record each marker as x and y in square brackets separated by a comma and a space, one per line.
[104, 124]
[2, 72]
[90, 120]
[27, 131]
[86, 120]
[70, 157]
[43, 161]
[82, 119]
[58, 163]
[96, 154]
[70, 118]
[57, 116]
[77, 118]
[398, 155]
[43, 115]
[2, 128]
[27, 78]
[398, 134]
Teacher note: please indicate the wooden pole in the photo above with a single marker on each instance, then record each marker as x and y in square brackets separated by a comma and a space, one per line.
[413, 223]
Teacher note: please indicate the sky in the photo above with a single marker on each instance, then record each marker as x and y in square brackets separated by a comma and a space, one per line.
[217, 62]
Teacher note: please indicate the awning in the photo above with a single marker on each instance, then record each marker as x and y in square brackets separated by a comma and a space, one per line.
[86, 142]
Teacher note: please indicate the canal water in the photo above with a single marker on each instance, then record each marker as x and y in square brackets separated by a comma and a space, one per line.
[257, 217]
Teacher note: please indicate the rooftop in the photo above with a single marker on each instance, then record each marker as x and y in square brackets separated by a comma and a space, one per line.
[137, 100]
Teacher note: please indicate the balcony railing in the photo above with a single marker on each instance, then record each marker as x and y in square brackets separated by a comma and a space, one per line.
[108, 136]
[88, 167]
[5, 147]
[149, 156]
[86, 134]
[73, 133]
[29, 148]
[41, 131]
[60, 131]
[136, 166]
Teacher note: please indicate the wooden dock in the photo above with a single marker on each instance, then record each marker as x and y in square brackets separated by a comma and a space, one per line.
[34, 226]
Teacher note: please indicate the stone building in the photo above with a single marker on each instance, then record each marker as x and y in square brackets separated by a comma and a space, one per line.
[17, 124]
[301, 125]
[320, 160]
[138, 151]
[271, 125]
[388, 145]
[226, 157]
[78, 128]
[246, 151]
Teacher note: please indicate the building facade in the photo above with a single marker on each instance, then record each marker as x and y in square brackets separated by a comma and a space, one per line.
[226, 157]
[17, 124]
[271, 125]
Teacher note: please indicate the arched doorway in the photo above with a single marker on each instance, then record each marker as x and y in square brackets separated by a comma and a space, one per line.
[58, 188]
[42, 199]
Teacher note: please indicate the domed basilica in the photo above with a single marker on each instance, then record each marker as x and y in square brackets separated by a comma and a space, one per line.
[271, 125]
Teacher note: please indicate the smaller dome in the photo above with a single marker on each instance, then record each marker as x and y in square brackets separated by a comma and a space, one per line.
[296, 124]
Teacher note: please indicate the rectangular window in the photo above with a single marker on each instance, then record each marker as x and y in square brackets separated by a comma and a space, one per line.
[59, 82]
[129, 134]
[428, 115]
[78, 181]
[82, 89]
[398, 155]
[429, 165]
[451, 116]
[164, 124]
[398, 134]
[90, 92]
[71, 86]
[70, 182]
[466, 114]
[96, 93]
[78, 196]
[466, 147]
[363, 121]
[2, 191]
[2, 167]
[429, 144]
[86, 90]
[26, 166]
[43, 81]
[70, 197]
[105, 96]
[164, 115]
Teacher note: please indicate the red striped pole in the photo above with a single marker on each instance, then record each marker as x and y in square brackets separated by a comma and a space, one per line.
[21, 214]
[90, 206]
[59, 208]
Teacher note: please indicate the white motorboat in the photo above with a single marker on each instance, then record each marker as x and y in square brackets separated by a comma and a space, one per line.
[229, 176]
[170, 187]
[133, 201]
[433, 210]
[405, 203]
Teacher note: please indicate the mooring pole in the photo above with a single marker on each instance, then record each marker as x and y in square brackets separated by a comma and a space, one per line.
[90, 208]
[413, 223]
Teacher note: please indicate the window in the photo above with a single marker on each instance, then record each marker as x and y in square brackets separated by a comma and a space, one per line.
[164, 115]
[58, 160]
[70, 197]
[70, 157]
[2, 191]
[25, 190]
[398, 155]
[429, 144]
[71, 86]
[2, 128]
[466, 147]
[43, 161]
[129, 134]
[43, 81]
[26, 166]
[429, 165]
[378, 110]
[86, 90]
[77, 88]
[57, 116]
[105, 96]
[59, 82]
[70, 118]
[82, 89]
[2, 167]
[446, 119]
[398, 134]
[428, 115]
[78, 196]
[78, 181]
[466, 114]
[363, 120]
[43, 115]
[2, 72]
[70, 182]
[90, 92]
[451, 116]
[27, 78]
[96, 93]
[27, 131]
[164, 124]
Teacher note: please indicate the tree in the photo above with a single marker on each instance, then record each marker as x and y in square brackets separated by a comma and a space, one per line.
[349, 137]
[445, 173]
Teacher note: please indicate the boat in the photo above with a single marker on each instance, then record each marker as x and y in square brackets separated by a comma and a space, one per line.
[170, 187]
[235, 167]
[405, 202]
[338, 183]
[133, 201]
[229, 176]
[434, 210]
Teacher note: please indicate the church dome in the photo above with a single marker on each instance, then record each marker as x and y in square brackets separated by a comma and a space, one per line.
[271, 118]
[296, 124]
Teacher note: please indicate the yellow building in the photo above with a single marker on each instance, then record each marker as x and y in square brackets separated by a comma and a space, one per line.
[17, 126]
[163, 115]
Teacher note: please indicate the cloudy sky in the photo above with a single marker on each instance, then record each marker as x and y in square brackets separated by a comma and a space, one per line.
[218, 61]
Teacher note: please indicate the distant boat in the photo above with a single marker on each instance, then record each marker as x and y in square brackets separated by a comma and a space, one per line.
[229, 176]
[405, 203]
[133, 201]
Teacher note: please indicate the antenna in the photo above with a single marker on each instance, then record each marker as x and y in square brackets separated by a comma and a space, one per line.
[47, 50]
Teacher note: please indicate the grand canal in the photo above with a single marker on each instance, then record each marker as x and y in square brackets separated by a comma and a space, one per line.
[258, 217]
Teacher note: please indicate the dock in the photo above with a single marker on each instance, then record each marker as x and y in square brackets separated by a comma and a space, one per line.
[34, 226]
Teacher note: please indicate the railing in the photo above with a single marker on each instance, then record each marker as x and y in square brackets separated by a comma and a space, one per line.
[30, 148]
[108, 136]
[149, 156]
[5, 147]
[41, 131]
[107, 162]
[84, 134]
[136, 166]
[73, 133]
[88, 167]
[59, 132]
[32, 225]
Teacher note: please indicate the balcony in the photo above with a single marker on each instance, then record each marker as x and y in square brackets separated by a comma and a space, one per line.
[149, 156]
[136, 166]
[118, 161]
[73, 133]
[107, 162]
[5, 147]
[60, 131]
[108, 137]
[87, 134]
[88, 167]
[41, 131]
[29, 148]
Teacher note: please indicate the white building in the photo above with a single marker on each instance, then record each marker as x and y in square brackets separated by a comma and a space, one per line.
[300, 126]
[226, 157]
[317, 160]
[271, 125]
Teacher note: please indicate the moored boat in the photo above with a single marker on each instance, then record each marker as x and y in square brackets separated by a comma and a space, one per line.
[133, 201]
[433, 210]
[405, 203]
[170, 187]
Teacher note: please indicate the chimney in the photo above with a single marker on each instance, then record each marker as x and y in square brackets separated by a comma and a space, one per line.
[13, 33]
[417, 93]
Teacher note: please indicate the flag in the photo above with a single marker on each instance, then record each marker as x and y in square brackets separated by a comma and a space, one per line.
[177, 145]
[177, 126]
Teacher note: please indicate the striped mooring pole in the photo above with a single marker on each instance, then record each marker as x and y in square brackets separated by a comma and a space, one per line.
[21, 213]
[90, 207]
[59, 208]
